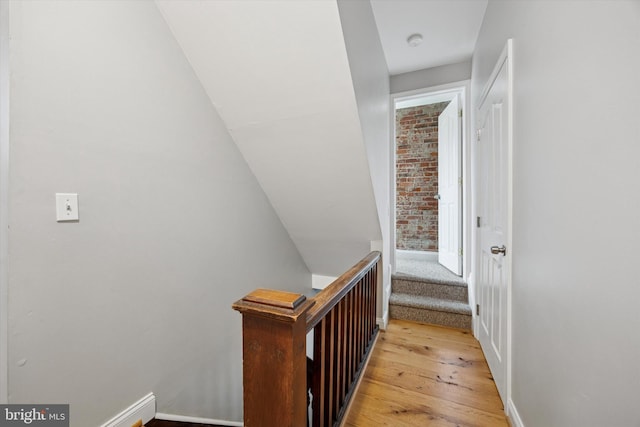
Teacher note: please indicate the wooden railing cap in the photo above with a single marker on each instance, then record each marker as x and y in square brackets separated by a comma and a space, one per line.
[281, 305]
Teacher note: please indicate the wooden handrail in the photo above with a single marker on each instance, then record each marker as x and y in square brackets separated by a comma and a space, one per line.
[332, 294]
[275, 367]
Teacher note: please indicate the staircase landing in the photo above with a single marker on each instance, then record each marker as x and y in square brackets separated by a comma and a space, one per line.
[424, 291]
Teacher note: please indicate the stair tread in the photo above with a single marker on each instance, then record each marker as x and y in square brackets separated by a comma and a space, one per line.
[428, 289]
[430, 303]
[435, 280]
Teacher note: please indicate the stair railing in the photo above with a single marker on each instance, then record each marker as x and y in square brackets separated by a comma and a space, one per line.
[274, 329]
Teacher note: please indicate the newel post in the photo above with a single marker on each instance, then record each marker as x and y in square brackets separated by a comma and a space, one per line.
[274, 358]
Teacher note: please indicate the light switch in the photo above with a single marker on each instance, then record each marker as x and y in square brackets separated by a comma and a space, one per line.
[67, 207]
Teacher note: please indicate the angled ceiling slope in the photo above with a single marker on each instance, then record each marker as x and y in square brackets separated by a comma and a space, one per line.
[278, 74]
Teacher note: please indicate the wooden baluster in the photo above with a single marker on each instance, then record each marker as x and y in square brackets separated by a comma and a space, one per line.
[356, 328]
[332, 369]
[274, 358]
[367, 306]
[358, 290]
[369, 298]
[338, 353]
[374, 299]
[351, 355]
[321, 372]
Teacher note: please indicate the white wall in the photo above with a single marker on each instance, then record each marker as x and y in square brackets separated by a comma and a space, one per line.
[279, 75]
[430, 77]
[576, 203]
[4, 190]
[371, 85]
[174, 227]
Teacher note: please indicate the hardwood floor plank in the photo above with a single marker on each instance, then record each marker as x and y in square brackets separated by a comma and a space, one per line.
[445, 366]
[465, 353]
[426, 375]
[387, 404]
[450, 387]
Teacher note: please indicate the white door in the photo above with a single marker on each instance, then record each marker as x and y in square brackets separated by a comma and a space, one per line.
[450, 187]
[494, 256]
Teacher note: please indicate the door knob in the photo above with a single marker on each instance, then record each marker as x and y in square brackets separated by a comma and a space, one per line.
[499, 250]
[437, 197]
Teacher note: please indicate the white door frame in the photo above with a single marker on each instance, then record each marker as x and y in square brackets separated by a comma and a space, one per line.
[463, 88]
[506, 55]
[4, 187]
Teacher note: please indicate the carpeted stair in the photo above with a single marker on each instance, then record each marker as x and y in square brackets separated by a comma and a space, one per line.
[433, 295]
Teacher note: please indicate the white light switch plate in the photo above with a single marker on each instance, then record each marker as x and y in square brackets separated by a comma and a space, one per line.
[67, 207]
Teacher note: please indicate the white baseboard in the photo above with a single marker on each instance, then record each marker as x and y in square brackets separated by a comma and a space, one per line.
[513, 414]
[144, 409]
[197, 420]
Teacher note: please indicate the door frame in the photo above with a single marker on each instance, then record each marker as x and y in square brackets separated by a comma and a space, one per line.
[463, 89]
[505, 56]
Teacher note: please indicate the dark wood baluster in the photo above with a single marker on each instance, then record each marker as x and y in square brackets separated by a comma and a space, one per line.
[361, 319]
[354, 359]
[345, 350]
[331, 375]
[350, 337]
[336, 358]
[320, 369]
[374, 299]
[369, 325]
[373, 303]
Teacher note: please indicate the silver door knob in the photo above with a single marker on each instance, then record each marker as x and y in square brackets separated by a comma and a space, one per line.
[437, 197]
[499, 250]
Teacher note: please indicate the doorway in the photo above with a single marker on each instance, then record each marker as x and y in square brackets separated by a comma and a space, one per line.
[428, 169]
[494, 207]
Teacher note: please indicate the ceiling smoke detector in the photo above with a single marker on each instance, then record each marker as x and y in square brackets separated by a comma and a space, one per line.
[414, 39]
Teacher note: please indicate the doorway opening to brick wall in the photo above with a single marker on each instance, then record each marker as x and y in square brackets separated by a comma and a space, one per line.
[429, 169]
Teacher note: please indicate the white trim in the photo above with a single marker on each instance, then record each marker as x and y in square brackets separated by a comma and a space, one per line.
[320, 282]
[471, 289]
[432, 90]
[444, 96]
[496, 70]
[392, 190]
[513, 414]
[197, 420]
[509, 259]
[463, 88]
[144, 409]
[386, 294]
[383, 321]
[4, 194]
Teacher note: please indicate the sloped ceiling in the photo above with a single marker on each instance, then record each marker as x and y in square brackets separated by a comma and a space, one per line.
[278, 74]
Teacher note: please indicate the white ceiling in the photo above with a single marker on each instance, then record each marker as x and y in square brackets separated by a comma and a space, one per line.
[449, 29]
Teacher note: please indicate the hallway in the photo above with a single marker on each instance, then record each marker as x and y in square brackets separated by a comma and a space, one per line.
[422, 375]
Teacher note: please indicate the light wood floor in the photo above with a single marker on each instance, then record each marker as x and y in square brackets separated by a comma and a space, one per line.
[421, 375]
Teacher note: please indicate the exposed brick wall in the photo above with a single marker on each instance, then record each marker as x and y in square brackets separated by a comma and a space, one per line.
[417, 177]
